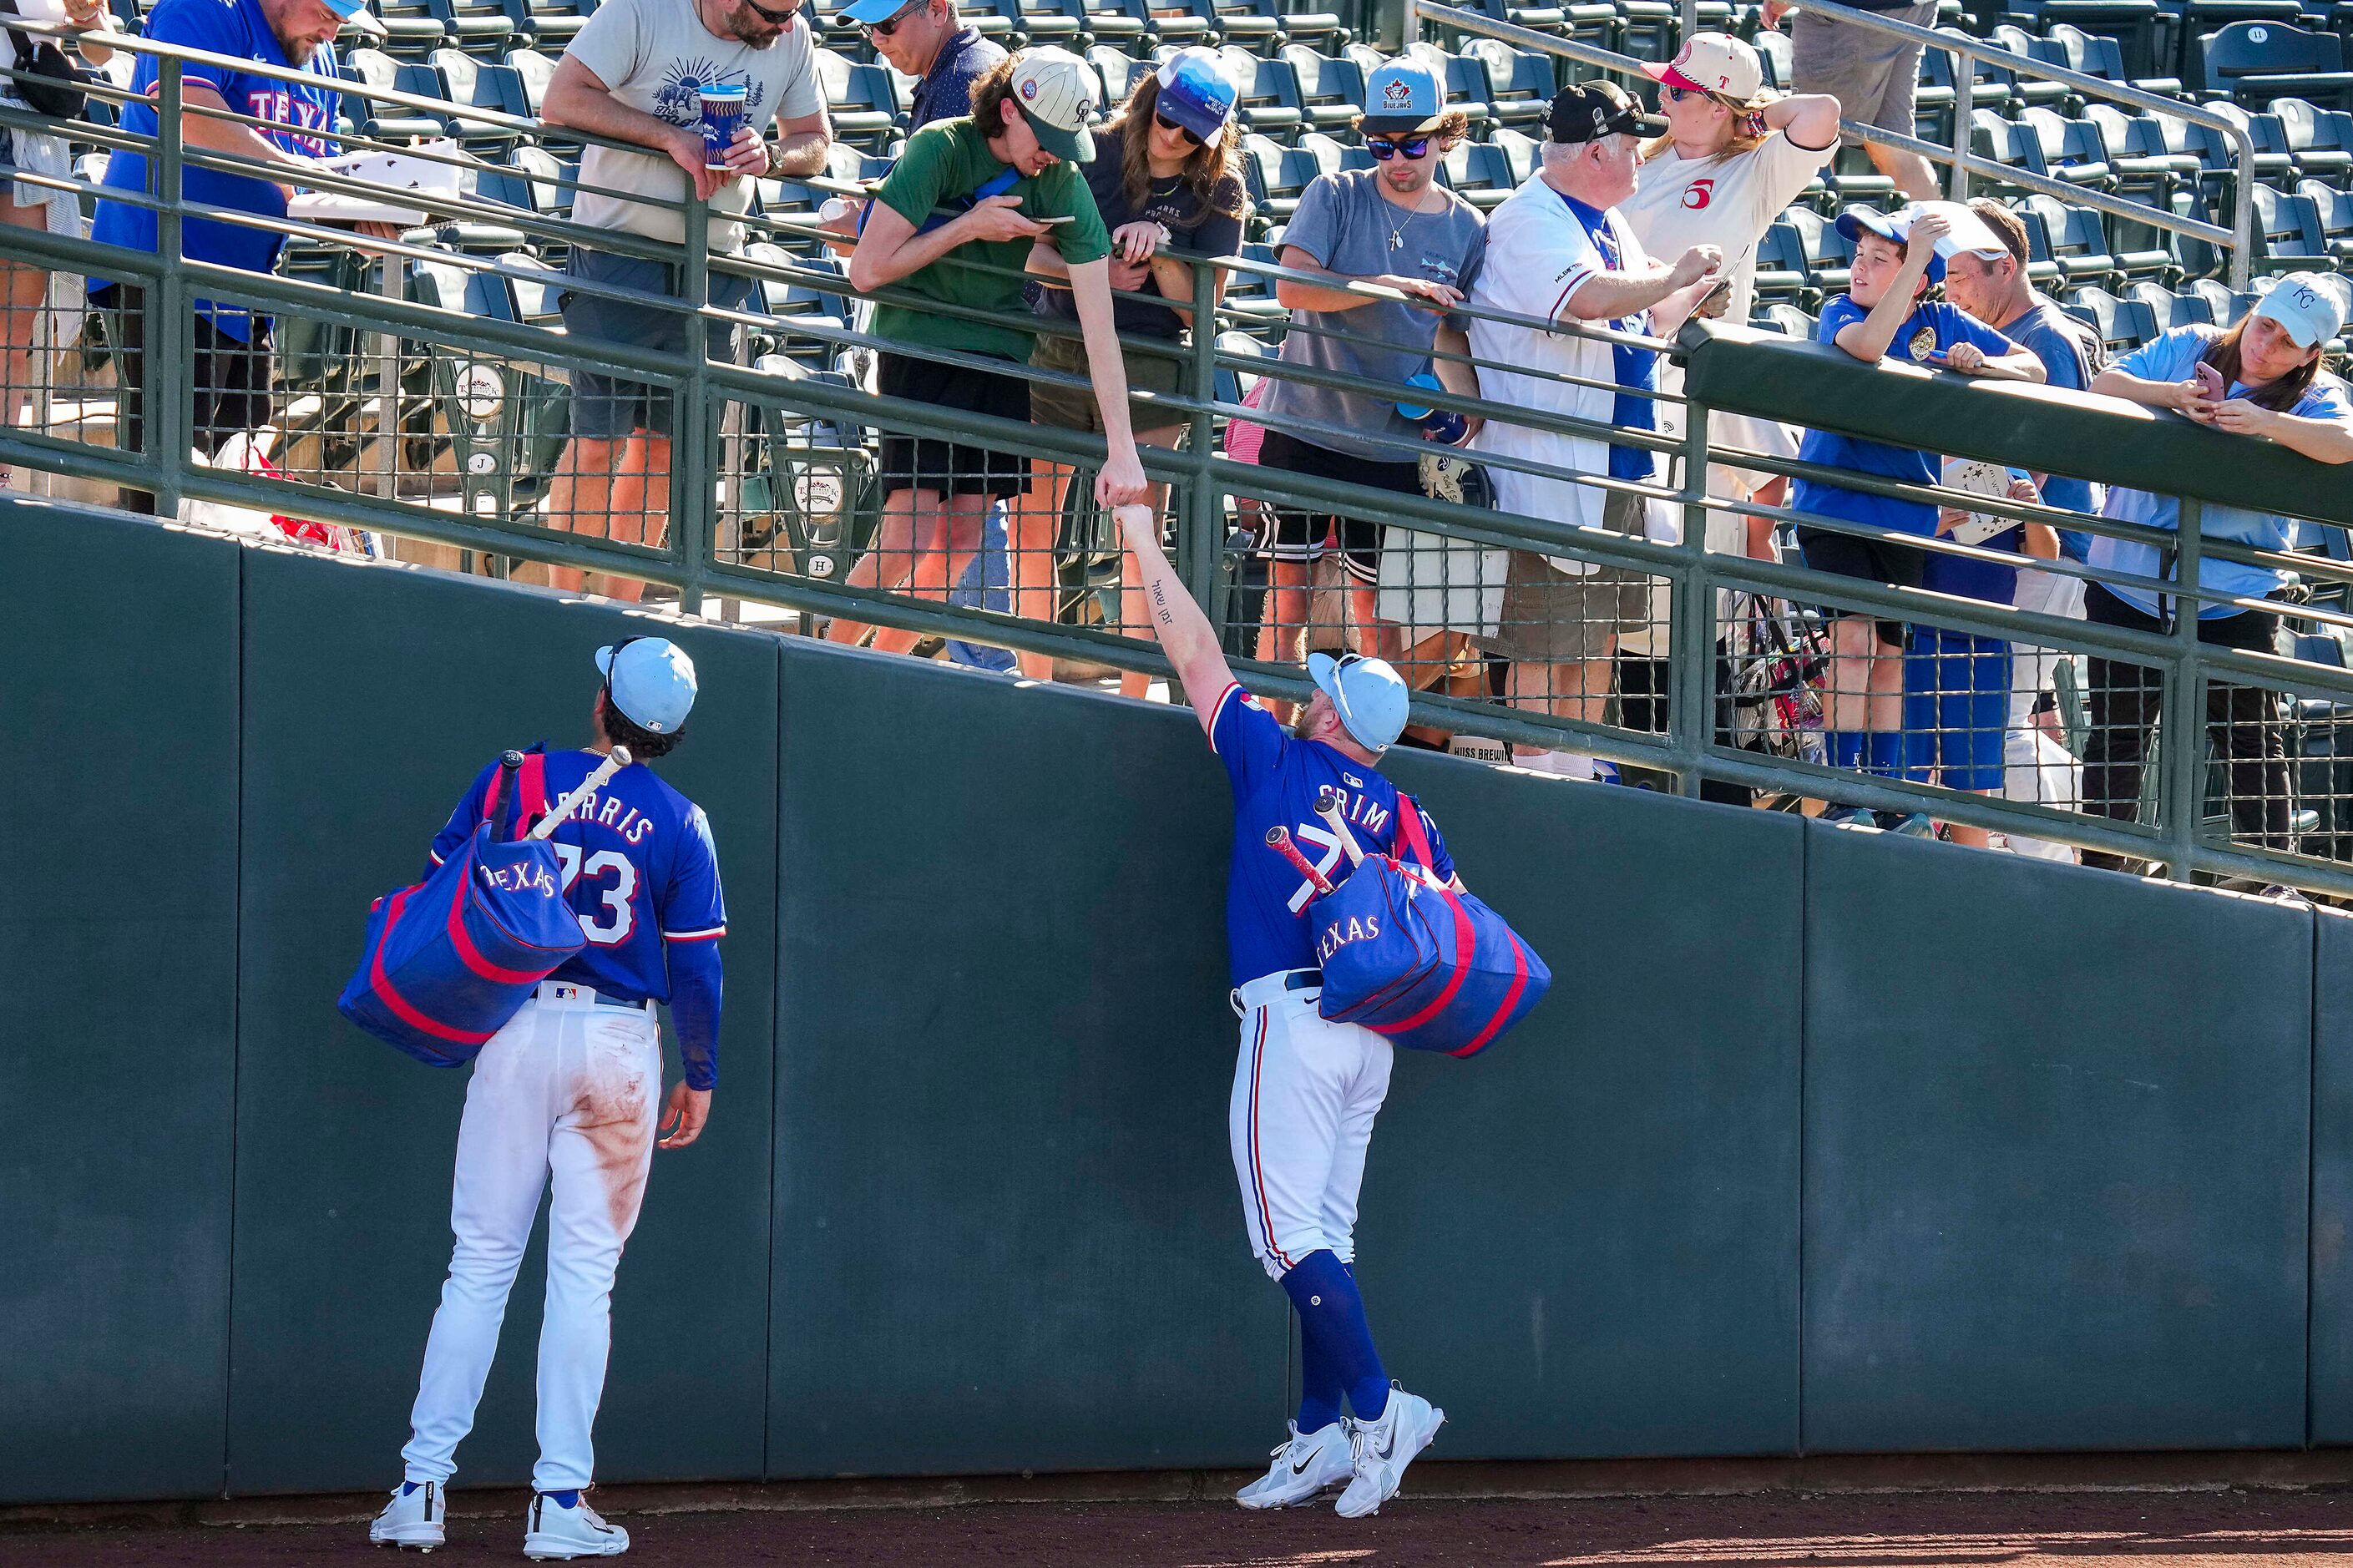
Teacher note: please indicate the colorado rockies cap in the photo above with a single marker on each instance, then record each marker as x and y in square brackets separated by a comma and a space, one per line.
[1056, 90]
[1370, 696]
[2302, 303]
[355, 13]
[1589, 110]
[1197, 93]
[1711, 62]
[1402, 97]
[651, 681]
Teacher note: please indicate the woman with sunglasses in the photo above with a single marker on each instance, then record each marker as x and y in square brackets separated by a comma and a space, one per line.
[1166, 177]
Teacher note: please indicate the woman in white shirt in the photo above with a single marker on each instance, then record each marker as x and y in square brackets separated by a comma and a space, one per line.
[24, 288]
[1735, 155]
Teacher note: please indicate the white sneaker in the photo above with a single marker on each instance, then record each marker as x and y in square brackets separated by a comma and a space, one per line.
[411, 1519]
[1303, 1468]
[1385, 1448]
[557, 1533]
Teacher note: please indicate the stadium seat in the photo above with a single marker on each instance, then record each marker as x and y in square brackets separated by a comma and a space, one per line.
[1478, 172]
[2255, 62]
[1520, 82]
[859, 100]
[1648, 29]
[2122, 324]
[1277, 174]
[2008, 143]
[1773, 55]
[2287, 232]
[2223, 306]
[1182, 22]
[2192, 19]
[1781, 263]
[1826, 256]
[2103, 55]
[1250, 296]
[478, 27]
[547, 24]
[2072, 150]
[2319, 141]
[469, 82]
[1118, 69]
[1465, 79]
[2168, 309]
[1267, 92]
[2072, 239]
[2025, 89]
[1062, 23]
[411, 30]
[2334, 207]
[1331, 87]
[1933, 100]
[1780, 316]
[1121, 24]
[380, 121]
[1522, 153]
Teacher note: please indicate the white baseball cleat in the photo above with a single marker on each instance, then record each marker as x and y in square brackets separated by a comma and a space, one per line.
[1385, 1448]
[1304, 1468]
[556, 1533]
[411, 1519]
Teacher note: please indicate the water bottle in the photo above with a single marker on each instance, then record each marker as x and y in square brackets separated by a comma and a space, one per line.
[1442, 426]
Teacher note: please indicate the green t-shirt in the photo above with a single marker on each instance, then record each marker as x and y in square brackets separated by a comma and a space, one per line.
[944, 164]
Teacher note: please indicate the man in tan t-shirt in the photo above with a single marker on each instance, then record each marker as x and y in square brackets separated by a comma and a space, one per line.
[636, 73]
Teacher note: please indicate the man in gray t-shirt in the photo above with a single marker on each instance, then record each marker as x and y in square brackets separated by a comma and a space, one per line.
[1395, 225]
[636, 73]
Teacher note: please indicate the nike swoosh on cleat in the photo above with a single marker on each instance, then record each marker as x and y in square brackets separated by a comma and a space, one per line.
[1300, 1469]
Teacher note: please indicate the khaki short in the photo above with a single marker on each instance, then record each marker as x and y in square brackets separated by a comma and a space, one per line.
[1551, 617]
[1074, 407]
[1871, 73]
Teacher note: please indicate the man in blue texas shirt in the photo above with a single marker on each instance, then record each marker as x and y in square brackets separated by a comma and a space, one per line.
[290, 46]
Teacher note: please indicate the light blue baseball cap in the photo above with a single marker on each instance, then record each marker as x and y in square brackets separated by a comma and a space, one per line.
[651, 681]
[1197, 93]
[355, 13]
[1370, 696]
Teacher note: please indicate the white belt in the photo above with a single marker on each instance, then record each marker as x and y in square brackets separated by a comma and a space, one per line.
[1267, 989]
[570, 993]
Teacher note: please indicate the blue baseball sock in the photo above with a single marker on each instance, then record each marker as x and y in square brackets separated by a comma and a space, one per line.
[1846, 750]
[1325, 1294]
[568, 1497]
[1320, 1388]
[1883, 753]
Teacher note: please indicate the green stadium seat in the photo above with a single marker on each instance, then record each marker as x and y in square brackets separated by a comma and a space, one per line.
[859, 100]
[478, 27]
[2319, 141]
[2252, 63]
[1331, 87]
[469, 82]
[2122, 324]
[1520, 82]
[2334, 208]
[1267, 94]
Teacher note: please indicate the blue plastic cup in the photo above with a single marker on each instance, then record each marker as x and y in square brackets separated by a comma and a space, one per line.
[1442, 426]
[723, 106]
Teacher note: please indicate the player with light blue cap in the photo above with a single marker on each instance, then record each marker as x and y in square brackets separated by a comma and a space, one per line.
[1369, 696]
[650, 682]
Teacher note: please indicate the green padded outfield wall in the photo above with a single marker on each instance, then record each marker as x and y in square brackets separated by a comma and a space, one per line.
[1822, 1142]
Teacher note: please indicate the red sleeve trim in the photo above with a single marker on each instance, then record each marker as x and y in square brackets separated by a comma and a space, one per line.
[1218, 710]
[711, 935]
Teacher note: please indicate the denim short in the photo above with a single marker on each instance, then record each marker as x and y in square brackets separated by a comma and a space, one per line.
[608, 408]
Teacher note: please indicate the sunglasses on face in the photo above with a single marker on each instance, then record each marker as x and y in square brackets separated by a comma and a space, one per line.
[1385, 151]
[773, 18]
[889, 25]
[1165, 123]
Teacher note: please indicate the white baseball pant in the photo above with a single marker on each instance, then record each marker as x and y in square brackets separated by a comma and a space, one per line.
[1305, 1094]
[569, 1091]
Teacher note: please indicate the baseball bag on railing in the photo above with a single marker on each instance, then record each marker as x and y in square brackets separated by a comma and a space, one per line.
[1407, 956]
[448, 961]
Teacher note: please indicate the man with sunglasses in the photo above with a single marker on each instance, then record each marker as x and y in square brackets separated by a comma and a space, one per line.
[1395, 227]
[636, 73]
[927, 40]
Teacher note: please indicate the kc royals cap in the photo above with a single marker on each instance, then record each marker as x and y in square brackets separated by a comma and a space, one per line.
[1712, 62]
[1370, 696]
[2302, 303]
[1591, 110]
[1197, 93]
[1401, 98]
[355, 14]
[1056, 90]
[651, 681]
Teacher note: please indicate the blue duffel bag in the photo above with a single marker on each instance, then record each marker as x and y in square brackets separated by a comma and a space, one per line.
[448, 961]
[1407, 956]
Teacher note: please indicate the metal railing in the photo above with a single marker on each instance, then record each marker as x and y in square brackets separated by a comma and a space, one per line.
[402, 393]
[1960, 156]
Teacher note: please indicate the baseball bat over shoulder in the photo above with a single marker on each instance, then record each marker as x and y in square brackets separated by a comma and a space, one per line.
[612, 764]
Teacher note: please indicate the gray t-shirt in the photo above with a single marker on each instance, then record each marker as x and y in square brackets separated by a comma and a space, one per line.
[655, 55]
[1348, 226]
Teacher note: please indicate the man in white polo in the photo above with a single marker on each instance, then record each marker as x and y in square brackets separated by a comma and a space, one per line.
[1558, 250]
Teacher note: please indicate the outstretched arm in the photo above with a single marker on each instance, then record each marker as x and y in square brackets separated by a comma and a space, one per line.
[1184, 631]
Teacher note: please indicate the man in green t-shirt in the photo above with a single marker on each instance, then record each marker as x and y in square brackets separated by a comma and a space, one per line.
[1005, 173]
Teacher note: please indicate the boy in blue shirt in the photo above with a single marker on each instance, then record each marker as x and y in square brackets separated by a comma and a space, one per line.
[1885, 314]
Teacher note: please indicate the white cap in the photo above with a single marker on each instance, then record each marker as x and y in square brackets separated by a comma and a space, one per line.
[1056, 90]
[2306, 306]
[1712, 62]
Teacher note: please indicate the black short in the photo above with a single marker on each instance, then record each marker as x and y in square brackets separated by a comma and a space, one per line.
[1304, 535]
[231, 380]
[924, 463]
[1871, 560]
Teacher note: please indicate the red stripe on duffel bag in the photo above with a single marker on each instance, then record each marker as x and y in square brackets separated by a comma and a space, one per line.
[471, 956]
[1511, 1000]
[1466, 943]
[381, 984]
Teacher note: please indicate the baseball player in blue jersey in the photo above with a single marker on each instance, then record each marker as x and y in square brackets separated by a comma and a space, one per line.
[566, 1092]
[1306, 1090]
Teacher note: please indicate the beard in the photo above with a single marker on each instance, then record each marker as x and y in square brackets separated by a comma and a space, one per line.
[1302, 727]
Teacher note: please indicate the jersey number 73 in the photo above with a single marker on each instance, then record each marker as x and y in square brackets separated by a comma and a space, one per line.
[609, 926]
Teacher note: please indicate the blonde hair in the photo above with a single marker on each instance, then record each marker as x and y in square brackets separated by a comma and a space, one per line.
[1748, 129]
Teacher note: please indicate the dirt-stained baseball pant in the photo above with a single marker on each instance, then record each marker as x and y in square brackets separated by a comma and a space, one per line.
[568, 1091]
[1305, 1095]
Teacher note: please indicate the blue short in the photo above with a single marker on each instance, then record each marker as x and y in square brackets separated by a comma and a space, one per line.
[608, 408]
[1956, 709]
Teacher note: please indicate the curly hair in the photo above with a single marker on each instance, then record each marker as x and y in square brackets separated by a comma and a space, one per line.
[992, 90]
[644, 744]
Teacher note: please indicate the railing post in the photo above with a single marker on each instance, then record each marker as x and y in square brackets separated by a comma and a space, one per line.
[166, 382]
[1691, 618]
[690, 462]
[1965, 98]
[1200, 543]
[2181, 797]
